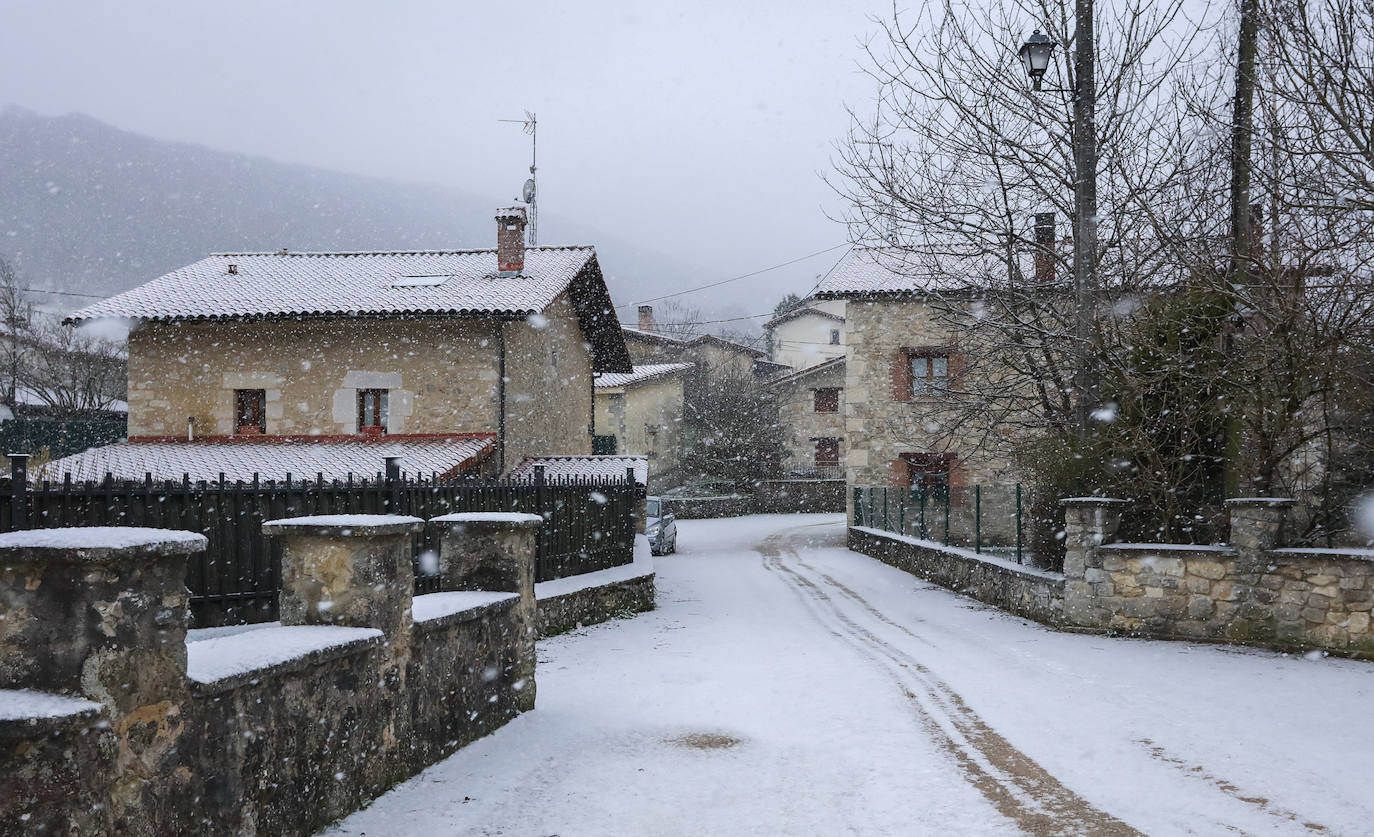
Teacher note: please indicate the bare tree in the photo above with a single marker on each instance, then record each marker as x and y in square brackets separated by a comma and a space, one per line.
[73, 372]
[16, 318]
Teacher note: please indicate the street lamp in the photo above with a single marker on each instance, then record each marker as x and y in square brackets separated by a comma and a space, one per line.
[1035, 56]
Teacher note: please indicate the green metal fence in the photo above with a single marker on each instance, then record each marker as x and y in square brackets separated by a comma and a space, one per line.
[990, 519]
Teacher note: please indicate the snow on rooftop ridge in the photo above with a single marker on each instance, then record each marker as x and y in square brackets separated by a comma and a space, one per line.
[23, 704]
[268, 459]
[99, 537]
[332, 284]
[469, 251]
[223, 657]
[641, 374]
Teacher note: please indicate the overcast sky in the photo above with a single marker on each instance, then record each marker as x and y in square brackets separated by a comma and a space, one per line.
[701, 128]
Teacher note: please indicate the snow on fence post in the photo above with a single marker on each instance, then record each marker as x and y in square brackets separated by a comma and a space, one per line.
[1089, 522]
[347, 569]
[494, 552]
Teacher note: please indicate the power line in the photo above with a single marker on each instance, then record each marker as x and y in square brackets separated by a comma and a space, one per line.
[61, 293]
[736, 278]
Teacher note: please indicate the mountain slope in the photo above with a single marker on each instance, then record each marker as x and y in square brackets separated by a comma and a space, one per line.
[87, 207]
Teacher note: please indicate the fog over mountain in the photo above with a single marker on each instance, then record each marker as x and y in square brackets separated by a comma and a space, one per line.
[89, 208]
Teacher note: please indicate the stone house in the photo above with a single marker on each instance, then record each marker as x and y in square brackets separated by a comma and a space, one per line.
[640, 414]
[809, 334]
[411, 351]
[902, 362]
[811, 414]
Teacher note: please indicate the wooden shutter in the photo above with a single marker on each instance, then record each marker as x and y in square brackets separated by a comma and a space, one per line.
[901, 376]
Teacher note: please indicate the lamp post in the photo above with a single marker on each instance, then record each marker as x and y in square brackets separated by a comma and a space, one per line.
[1035, 56]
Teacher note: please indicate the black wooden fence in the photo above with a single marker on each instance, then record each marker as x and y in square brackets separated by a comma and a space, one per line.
[589, 525]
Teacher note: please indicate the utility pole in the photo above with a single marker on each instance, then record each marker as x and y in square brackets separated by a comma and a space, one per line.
[1242, 132]
[1085, 212]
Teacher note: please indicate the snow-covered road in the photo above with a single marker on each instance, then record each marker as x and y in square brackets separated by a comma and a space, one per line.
[787, 686]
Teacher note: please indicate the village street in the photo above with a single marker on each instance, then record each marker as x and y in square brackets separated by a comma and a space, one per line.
[786, 686]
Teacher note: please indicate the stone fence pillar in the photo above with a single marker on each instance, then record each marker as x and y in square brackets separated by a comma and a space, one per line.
[1257, 525]
[494, 551]
[1089, 522]
[99, 612]
[347, 569]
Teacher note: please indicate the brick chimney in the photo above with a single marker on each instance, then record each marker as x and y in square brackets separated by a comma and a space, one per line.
[646, 318]
[1044, 246]
[510, 240]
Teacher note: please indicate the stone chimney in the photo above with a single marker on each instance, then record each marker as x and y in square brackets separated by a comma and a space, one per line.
[510, 240]
[646, 318]
[1044, 246]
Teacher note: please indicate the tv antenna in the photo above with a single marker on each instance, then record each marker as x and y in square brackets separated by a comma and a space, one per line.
[529, 194]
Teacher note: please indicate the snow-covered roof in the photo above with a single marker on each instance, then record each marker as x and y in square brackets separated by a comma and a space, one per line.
[868, 271]
[305, 284]
[641, 374]
[651, 337]
[598, 467]
[270, 458]
[824, 366]
[802, 311]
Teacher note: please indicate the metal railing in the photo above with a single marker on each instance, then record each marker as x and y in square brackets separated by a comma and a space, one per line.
[988, 518]
[589, 524]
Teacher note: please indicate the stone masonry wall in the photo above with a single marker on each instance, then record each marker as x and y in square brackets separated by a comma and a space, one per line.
[1249, 591]
[243, 742]
[879, 428]
[442, 375]
[800, 422]
[1034, 594]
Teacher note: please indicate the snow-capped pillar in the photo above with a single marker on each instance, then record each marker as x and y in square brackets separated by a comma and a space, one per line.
[1089, 522]
[495, 551]
[347, 569]
[1257, 523]
[96, 611]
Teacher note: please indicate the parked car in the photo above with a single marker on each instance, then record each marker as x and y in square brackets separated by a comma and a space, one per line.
[660, 528]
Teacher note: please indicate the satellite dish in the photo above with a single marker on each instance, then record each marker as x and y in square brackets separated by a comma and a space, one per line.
[529, 190]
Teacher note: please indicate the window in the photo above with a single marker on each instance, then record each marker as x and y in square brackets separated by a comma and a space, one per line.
[929, 471]
[834, 337]
[603, 445]
[827, 453]
[250, 411]
[929, 374]
[827, 400]
[372, 410]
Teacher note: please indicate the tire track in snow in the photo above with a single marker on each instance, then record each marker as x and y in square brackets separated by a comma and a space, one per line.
[1015, 784]
[1156, 752]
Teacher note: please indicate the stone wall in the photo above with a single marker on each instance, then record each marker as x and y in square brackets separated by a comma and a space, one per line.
[1250, 591]
[548, 388]
[595, 604]
[442, 374]
[770, 497]
[879, 427]
[801, 424]
[129, 728]
[1034, 594]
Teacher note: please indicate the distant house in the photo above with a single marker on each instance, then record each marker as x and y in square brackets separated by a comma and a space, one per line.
[639, 413]
[903, 361]
[809, 334]
[454, 360]
[715, 360]
[811, 415]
